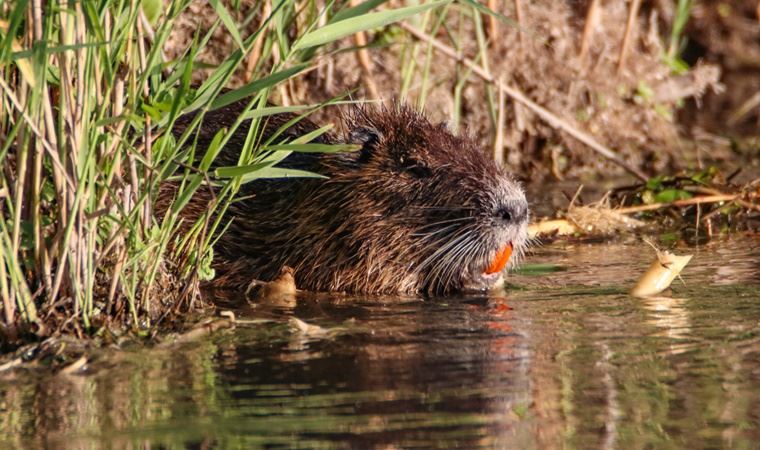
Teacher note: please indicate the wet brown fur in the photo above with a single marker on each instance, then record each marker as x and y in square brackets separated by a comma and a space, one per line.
[417, 209]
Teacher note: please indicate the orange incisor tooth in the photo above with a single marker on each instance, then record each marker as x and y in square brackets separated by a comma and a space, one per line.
[500, 261]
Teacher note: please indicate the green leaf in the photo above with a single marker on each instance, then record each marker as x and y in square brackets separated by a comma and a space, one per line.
[337, 30]
[671, 195]
[279, 172]
[644, 91]
[228, 22]
[704, 176]
[153, 112]
[110, 120]
[206, 270]
[655, 183]
[224, 71]
[239, 171]
[152, 10]
[213, 150]
[272, 110]
[275, 157]
[187, 193]
[663, 111]
[314, 148]
[256, 86]
[310, 136]
[58, 49]
[262, 170]
[357, 10]
[677, 65]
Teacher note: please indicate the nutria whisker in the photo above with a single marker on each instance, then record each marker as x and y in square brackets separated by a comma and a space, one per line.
[442, 222]
[436, 233]
[434, 264]
[471, 253]
[457, 259]
[436, 257]
[444, 208]
[448, 260]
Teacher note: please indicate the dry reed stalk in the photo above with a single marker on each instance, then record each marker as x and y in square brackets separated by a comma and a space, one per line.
[9, 308]
[745, 108]
[633, 12]
[520, 14]
[52, 153]
[593, 15]
[363, 58]
[36, 187]
[517, 95]
[492, 29]
[498, 144]
[255, 53]
[148, 137]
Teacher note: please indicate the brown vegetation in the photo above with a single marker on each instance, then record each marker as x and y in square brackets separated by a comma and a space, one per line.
[606, 69]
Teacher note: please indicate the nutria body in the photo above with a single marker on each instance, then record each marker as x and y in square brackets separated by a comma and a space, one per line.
[417, 209]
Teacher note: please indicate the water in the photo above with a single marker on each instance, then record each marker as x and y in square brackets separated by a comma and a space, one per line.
[566, 359]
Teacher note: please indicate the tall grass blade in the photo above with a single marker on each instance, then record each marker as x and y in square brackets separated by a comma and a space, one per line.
[228, 22]
[257, 86]
[337, 30]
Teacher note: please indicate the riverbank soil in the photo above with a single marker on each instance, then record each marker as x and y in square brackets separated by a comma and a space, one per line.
[658, 93]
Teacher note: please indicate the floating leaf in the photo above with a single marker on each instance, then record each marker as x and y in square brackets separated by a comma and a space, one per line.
[660, 274]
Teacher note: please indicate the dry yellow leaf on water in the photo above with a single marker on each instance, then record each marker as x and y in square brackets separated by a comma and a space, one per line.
[660, 274]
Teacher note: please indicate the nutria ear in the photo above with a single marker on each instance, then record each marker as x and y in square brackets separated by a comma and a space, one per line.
[368, 138]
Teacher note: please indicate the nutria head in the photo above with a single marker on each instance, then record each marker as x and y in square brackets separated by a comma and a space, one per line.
[416, 209]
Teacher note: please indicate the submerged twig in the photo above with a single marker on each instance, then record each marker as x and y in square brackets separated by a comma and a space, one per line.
[517, 95]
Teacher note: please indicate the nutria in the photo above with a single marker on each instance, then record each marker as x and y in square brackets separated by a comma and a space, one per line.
[417, 209]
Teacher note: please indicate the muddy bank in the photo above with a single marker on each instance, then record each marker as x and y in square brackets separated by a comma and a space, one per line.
[619, 74]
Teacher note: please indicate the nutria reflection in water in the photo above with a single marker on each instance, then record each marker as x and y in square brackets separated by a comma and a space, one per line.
[416, 210]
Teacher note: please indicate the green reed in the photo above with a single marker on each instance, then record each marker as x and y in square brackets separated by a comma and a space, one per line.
[87, 102]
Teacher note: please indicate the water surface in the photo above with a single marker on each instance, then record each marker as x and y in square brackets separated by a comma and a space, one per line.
[564, 359]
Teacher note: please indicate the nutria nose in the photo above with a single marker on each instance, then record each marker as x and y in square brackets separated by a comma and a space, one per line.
[513, 212]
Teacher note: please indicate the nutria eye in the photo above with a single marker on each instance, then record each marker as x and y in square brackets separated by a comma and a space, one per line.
[504, 214]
